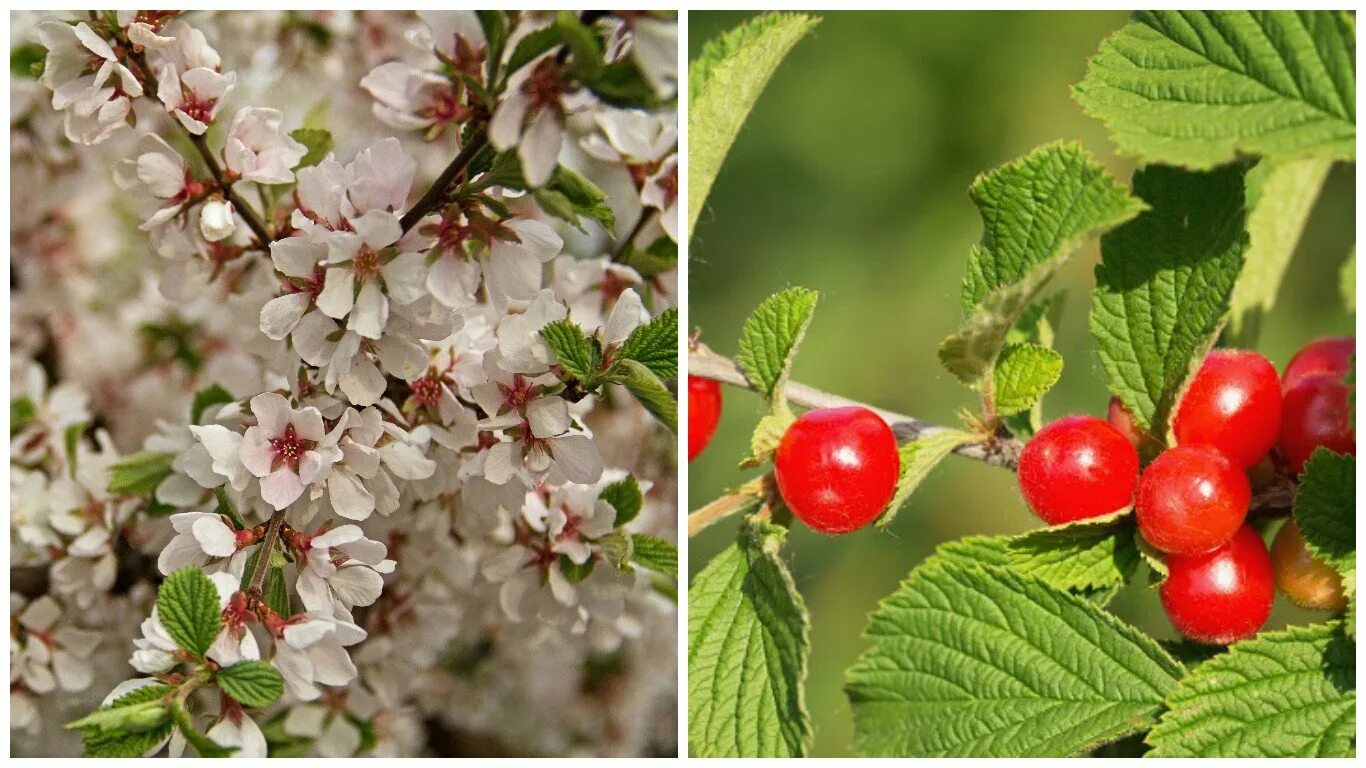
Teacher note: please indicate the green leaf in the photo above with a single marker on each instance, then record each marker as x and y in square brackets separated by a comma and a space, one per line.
[623, 85]
[918, 460]
[71, 440]
[770, 337]
[624, 496]
[570, 196]
[139, 710]
[1199, 88]
[578, 356]
[616, 549]
[125, 743]
[971, 551]
[586, 53]
[26, 60]
[1325, 509]
[971, 351]
[532, 46]
[650, 391]
[1087, 556]
[187, 604]
[21, 412]
[654, 553]
[1024, 374]
[1036, 207]
[1348, 281]
[768, 433]
[251, 683]
[655, 344]
[1163, 285]
[661, 256]
[225, 508]
[576, 572]
[971, 660]
[747, 653]
[723, 83]
[207, 398]
[1280, 195]
[318, 141]
[277, 594]
[140, 474]
[1280, 694]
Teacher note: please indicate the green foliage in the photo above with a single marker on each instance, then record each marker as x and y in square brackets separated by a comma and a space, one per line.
[129, 726]
[1325, 509]
[572, 197]
[747, 653]
[140, 474]
[654, 553]
[723, 84]
[767, 435]
[770, 337]
[1094, 557]
[1280, 694]
[1198, 88]
[202, 745]
[972, 660]
[650, 391]
[624, 496]
[21, 412]
[918, 460]
[1024, 374]
[251, 683]
[655, 344]
[187, 604]
[26, 60]
[318, 141]
[1163, 285]
[205, 399]
[578, 355]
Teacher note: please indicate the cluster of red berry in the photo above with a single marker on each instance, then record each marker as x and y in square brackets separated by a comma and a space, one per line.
[1191, 502]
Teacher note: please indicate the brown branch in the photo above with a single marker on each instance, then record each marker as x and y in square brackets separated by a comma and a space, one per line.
[436, 193]
[258, 574]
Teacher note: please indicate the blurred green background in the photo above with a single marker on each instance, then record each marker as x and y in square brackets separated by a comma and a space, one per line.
[851, 177]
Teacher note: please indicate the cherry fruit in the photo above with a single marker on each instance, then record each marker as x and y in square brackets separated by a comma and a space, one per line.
[704, 413]
[1307, 581]
[1076, 468]
[1318, 412]
[1122, 419]
[1233, 404]
[837, 468]
[1330, 354]
[1222, 596]
[1191, 499]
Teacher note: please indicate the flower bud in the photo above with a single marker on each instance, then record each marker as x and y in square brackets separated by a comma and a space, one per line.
[216, 221]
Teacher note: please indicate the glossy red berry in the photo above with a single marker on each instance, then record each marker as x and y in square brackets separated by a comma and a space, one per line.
[1121, 419]
[1233, 404]
[1077, 467]
[1308, 582]
[1318, 412]
[837, 468]
[704, 413]
[1191, 499]
[1330, 354]
[1222, 596]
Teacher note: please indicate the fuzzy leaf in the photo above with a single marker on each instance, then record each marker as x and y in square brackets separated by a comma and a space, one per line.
[318, 141]
[1098, 554]
[650, 391]
[747, 653]
[138, 710]
[723, 84]
[570, 196]
[1024, 374]
[654, 553]
[768, 433]
[970, 660]
[140, 474]
[187, 604]
[1198, 88]
[770, 337]
[1163, 285]
[624, 496]
[655, 344]
[1280, 694]
[918, 460]
[251, 683]
[578, 356]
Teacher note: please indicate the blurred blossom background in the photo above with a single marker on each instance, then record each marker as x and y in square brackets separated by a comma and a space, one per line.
[851, 177]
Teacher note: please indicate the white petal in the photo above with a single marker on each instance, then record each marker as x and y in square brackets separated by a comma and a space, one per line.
[540, 147]
[349, 498]
[280, 315]
[338, 292]
[214, 537]
[371, 311]
[578, 458]
[281, 488]
[548, 416]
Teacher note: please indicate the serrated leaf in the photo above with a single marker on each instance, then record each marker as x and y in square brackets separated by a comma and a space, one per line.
[747, 653]
[577, 355]
[251, 683]
[655, 344]
[650, 392]
[970, 660]
[1163, 285]
[139, 710]
[205, 399]
[140, 474]
[971, 351]
[660, 256]
[1280, 195]
[125, 743]
[1155, 560]
[972, 551]
[616, 548]
[1325, 509]
[1098, 554]
[654, 553]
[918, 460]
[1024, 373]
[770, 337]
[570, 196]
[1198, 88]
[277, 594]
[624, 496]
[318, 141]
[1280, 694]
[187, 604]
[768, 433]
[723, 83]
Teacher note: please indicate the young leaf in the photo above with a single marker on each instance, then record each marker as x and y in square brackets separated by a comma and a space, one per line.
[318, 141]
[768, 433]
[971, 660]
[654, 553]
[747, 653]
[251, 683]
[1280, 694]
[140, 709]
[1082, 557]
[1024, 374]
[1163, 285]
[1280, 195]
[650, 391]
[770, 337]
[655, 344]
[570, 196]
[140, 474]
[126, 743]
[187, 604]
[918, 460]
[723, 84]
[1198, 88]
[578, 356]
[277, 594]
[624, 496]
[971, 351]
[206, 398]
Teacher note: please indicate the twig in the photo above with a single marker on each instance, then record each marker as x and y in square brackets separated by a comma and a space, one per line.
[741, 499]
[436, 193]
[620, 250]
[258, 574]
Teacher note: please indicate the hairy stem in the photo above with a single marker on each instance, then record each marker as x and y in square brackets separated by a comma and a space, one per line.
[258, 574]
[743, 498]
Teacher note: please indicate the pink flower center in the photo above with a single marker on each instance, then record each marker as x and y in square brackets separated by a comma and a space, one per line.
[427, 390]
[545, 86]
[517, 394]
[289, 449]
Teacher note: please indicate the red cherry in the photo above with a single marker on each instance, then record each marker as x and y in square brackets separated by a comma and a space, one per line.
[1233, 404]
[1121, 419]
[1317, 413]
[1078, 467]
[1308, 582]
[1222, 596]
[704, 413]
[1330, 354]
[837, 468]
[1191, 499]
